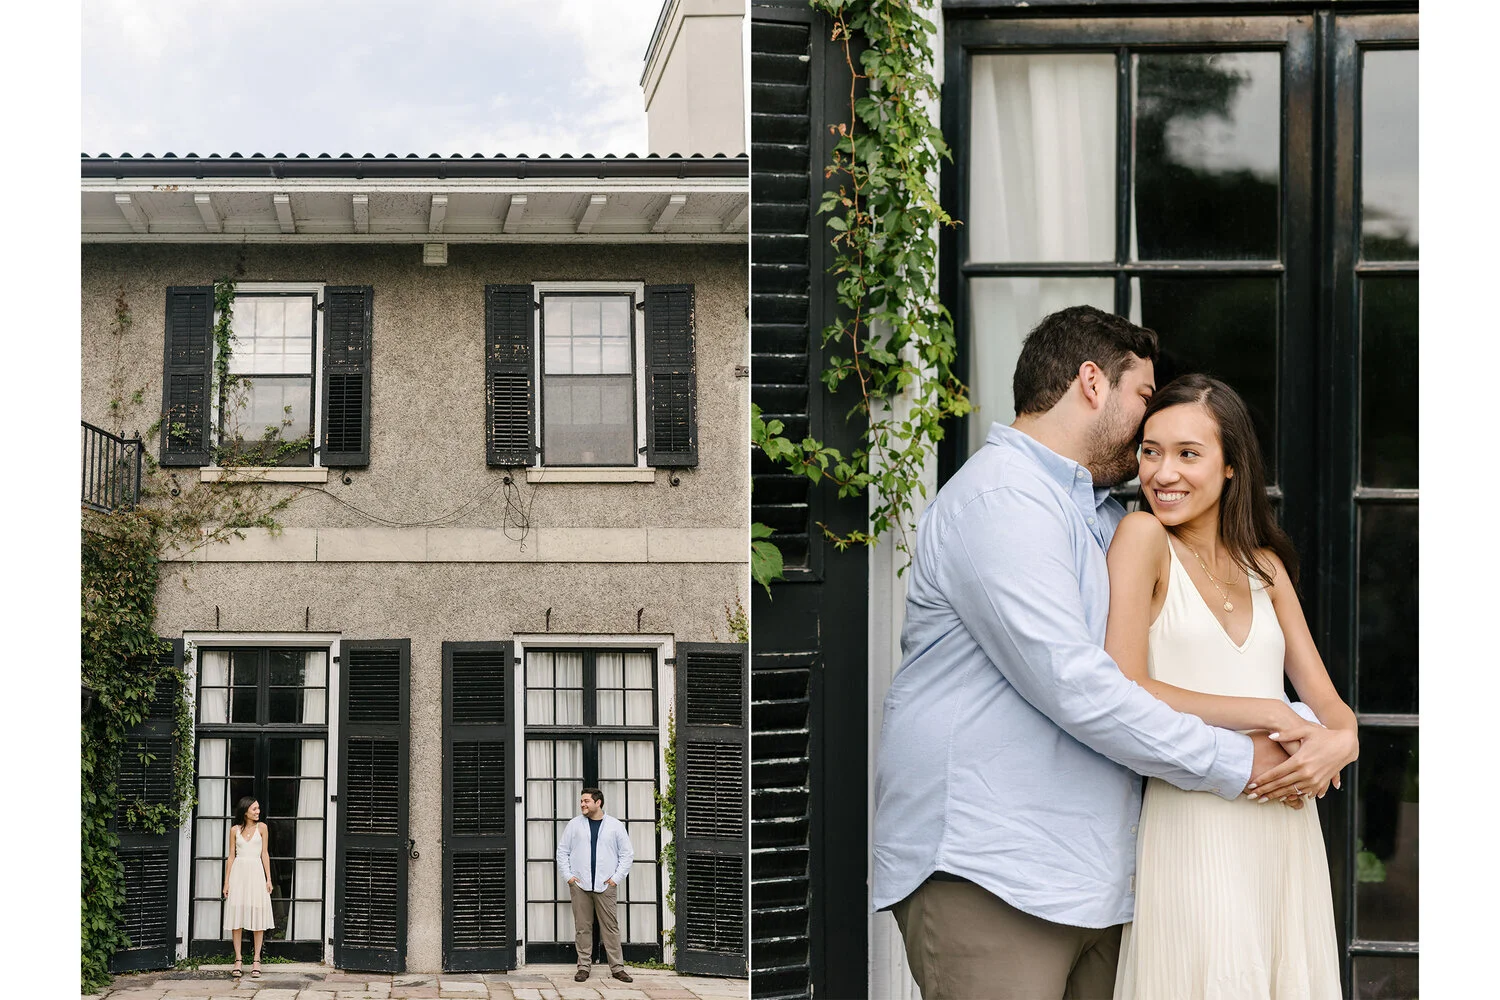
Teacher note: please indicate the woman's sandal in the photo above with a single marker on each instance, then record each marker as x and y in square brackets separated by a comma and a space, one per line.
[237, 971]
[255, 971]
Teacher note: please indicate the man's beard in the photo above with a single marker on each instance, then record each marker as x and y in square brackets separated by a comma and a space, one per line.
[1113, 455]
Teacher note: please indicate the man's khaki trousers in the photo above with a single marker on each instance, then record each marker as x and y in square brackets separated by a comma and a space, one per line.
[585, 906]
[964, 942]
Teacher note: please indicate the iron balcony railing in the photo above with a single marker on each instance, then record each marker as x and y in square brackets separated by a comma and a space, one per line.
[111, 469]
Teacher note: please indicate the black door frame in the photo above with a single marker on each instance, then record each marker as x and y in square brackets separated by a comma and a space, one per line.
[301, 951]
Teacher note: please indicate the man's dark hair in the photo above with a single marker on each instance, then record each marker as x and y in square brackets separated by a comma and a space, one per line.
[1066, 339]
[598, 795]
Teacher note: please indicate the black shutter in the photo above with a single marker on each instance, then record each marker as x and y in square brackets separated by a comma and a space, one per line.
[185, 406]
[347, 348]
[149, 860]
[479, 866]
[509, 394]
[713, 828]
[369, 923]
[671, 377]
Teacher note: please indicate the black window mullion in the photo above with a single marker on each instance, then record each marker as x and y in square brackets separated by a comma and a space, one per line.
[590, 690]
[1124, 168]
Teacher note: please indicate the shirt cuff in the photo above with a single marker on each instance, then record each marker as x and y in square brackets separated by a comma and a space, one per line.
[1304, 711]
[1233, 760]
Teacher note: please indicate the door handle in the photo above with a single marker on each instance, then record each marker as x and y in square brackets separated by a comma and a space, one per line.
[411, 848]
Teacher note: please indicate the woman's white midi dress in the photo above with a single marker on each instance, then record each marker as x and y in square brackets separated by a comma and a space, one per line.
[1232, 900]
[248, 905]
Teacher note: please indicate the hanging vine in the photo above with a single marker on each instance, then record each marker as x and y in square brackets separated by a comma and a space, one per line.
[123, 659]
[892, 339]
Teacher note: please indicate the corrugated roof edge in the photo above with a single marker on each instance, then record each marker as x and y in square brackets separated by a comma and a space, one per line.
[433, 165]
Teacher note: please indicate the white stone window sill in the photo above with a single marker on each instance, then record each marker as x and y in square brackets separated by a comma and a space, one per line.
[263, 474]
[590, 475]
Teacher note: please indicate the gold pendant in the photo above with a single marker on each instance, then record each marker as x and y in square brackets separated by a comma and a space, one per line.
[1228, 606]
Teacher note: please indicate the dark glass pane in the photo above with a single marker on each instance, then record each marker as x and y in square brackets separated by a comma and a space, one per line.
[239, 788]
[1388, 155]
[1207, 155]
[1224, 327]
[242, 756]
[280, 907]
[1387, 608]
[1385, 978]
[288, 667]
[245, 667]
[589, 419]
[286, 705]
[1385, 893]
[286, 758]
[281, 797]
[1388, 382]
[244, 704]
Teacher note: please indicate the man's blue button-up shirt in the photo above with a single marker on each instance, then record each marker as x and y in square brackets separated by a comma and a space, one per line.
[1012, 743]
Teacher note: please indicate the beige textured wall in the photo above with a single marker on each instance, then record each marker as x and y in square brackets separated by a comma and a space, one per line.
[426, 458]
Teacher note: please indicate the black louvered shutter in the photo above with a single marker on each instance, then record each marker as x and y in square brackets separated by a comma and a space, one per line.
[149, 860]
[348, 313]
[185, 405]
[369, 924]
[713, 828]
[671, 377]
[479, 868]
[509, 394]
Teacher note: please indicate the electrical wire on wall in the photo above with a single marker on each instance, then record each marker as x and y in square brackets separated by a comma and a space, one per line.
[516, 516]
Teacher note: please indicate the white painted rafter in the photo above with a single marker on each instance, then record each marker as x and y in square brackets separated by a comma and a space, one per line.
[514, 212]
[437, 213]
[132, 212]
[739, 219]
[591, 213]
[361, 205]
[283, 203]
[668, 212]
[205, 205]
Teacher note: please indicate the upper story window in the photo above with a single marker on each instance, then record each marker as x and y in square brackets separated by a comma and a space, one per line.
[590, 382]
[265, 411]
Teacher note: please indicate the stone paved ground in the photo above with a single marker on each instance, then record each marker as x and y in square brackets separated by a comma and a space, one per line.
[307, 981]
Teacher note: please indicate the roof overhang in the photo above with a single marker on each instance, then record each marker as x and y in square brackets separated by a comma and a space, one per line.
[415, 200]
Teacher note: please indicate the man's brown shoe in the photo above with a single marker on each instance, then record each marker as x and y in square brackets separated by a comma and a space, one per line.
[623, 976]
[582, 976]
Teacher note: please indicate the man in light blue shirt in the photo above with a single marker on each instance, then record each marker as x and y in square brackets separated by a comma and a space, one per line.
[1006, 786]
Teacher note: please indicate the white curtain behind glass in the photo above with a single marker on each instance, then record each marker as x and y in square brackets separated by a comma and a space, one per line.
[315, 694]
[212, 836]
[214, 665]
[307, 878]
[1041, 189]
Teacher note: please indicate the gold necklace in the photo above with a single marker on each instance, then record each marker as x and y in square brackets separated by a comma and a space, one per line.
[1228, 604]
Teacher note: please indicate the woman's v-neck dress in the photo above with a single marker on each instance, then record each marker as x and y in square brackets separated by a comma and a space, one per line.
[248, 905]
[1232, 899]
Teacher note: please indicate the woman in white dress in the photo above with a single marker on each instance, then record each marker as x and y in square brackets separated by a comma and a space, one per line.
[1232, 896]
[247, 881]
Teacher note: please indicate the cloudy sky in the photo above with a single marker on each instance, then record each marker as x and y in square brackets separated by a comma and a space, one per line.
[365, 76]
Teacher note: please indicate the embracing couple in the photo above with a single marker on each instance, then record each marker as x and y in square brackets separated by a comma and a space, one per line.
[1055, 648]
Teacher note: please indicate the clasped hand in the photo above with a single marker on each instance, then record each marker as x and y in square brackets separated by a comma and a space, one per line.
[1317, 756]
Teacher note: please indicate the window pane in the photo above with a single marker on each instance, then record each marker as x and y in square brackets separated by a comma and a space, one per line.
[1388, 382]
[569, 670]
[638, 708]
[589, 420]
[1387, 608]
[288, 667]
[610, 669]
[244, 704]
[213, 705]
[264, 411]
[1385, 978]
[1223, 327]
[1002, 312]
[611, 708]
[539, 708]
[1042, 158]
[1207, 155]
[538, 670]
[1388, 155]
[214, 664]
[638, 670]
[246, 668]
[1386, 821]
[570, 708]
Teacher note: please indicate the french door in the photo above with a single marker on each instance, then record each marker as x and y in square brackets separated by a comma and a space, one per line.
[262, 731]
[1247, 187]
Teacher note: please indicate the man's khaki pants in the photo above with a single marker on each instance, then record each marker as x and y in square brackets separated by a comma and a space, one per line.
[585, 906]
[964, 942]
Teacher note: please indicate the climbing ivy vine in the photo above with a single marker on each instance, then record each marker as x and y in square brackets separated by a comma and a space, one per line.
[124, 662]
[892, 340]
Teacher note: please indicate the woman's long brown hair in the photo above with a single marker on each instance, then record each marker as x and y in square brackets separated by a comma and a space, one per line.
[1246, 521]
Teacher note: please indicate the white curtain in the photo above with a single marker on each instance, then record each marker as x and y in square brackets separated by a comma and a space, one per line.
[1041, 189]
[213, 665]
[639, 700]
[315, 690]
[539, 686]
[569, 702]
[212, 836]
[307, 877]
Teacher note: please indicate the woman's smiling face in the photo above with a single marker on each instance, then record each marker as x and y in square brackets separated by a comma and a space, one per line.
[1182, 463]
